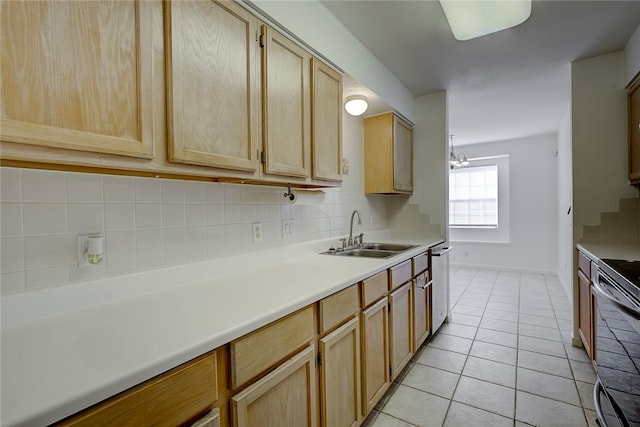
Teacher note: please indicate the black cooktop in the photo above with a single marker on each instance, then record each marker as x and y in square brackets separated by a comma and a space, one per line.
[624, 272]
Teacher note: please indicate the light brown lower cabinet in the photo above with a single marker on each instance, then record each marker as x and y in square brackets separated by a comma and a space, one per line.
[375, 354]
[286, 396]
[340, 376]
[585, 312]
[212, 419]
[421, 309]
[173, 398]
[400, 319]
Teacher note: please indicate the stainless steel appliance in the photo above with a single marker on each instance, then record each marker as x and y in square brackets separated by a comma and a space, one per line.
[440, 286]
[617, 343]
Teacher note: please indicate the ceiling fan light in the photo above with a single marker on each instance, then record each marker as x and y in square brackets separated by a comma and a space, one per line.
[470, 19]
[356, 105]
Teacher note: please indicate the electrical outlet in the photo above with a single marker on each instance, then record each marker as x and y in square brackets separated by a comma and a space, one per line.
[287, 228]
[256, 231]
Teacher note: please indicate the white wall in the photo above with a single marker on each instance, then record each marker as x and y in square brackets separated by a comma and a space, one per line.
[566, 269]
[310, 21]
[430, 159]
[150, 223]
[533, 208]
[599, 138]
[632, 57]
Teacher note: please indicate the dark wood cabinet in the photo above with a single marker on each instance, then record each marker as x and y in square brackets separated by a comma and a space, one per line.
[586, 302]
[633, 105]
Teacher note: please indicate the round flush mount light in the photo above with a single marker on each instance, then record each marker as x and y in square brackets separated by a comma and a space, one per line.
[356, 105]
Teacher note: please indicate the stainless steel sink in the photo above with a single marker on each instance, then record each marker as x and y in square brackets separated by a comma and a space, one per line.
[372, 250]
[394, 247]
[370, 253]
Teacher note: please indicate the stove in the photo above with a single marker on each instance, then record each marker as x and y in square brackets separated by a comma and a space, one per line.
[617, 343]
[626, 273]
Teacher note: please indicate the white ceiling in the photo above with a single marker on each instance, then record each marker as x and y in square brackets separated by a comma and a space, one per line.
[505, 85]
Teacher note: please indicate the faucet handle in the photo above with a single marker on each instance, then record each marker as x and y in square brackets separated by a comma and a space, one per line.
[343, 243]
[360, 239]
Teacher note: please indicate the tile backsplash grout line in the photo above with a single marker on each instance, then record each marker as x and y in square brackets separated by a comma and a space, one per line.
[167, 222]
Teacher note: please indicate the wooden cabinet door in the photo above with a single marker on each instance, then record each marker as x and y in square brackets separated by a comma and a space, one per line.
[634, 133]
[388, 155]
[326, 122]
[375, 354]
[213, 92]
[340, 376]
[421, 310]
[400, 325]
[402, 156]
[286, 115]
[585, 313]
[77, 75]
[286, 396]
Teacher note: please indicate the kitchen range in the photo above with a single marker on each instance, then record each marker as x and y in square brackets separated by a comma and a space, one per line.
[617, 342]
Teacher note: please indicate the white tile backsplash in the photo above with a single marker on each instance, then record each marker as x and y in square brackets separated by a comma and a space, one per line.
[12, 255]
[44, 218]
[10, 184]
[148, 215]
[149, 223]
[43, 186]
[119, 216]
[195, 214]
[84, 187]
[173, 191]
[148, 190]
[10, 218]
[86, 218]
[173, 215]
[118, 189]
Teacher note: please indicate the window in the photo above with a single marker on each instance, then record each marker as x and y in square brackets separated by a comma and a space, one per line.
[473, 197]
[479, 201]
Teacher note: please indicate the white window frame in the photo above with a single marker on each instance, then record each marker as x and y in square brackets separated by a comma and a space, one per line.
[499, 234]
[468, 200]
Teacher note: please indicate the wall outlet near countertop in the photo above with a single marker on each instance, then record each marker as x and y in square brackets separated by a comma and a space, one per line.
[256, 228]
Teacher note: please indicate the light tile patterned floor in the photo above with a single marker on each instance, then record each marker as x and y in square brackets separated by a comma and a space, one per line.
[504, 360]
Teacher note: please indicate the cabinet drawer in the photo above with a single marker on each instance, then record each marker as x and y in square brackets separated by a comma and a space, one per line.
[374, 288]
[400, 274]
[172, 398]
[420, 263]
[338, 307]
[260, 350]
[584, 263]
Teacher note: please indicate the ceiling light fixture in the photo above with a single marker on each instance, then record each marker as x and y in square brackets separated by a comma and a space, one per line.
[470, 19]
[356, 105]
[456, 160]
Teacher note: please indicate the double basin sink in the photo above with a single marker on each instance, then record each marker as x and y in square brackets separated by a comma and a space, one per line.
[371, 250]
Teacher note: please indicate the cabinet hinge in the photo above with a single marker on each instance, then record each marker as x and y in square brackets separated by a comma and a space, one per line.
[390, 371]
[261, 40]
[319, 359]
[263, 157]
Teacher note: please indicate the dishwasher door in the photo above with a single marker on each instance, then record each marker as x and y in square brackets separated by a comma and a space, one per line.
[440, 286]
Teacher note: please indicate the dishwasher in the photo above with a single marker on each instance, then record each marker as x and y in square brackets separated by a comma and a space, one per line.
[440, 286]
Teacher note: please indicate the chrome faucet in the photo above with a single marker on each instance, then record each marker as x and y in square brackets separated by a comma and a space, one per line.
[350, 241]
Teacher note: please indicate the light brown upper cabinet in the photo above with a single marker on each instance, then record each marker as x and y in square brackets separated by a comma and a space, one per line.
[326, 121]
[77, 75]
[388, 155]
[213, 84]
[286, 106]
[634, 133]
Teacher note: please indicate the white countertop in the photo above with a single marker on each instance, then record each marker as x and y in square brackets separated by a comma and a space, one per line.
[64, 349]
[625, 251]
